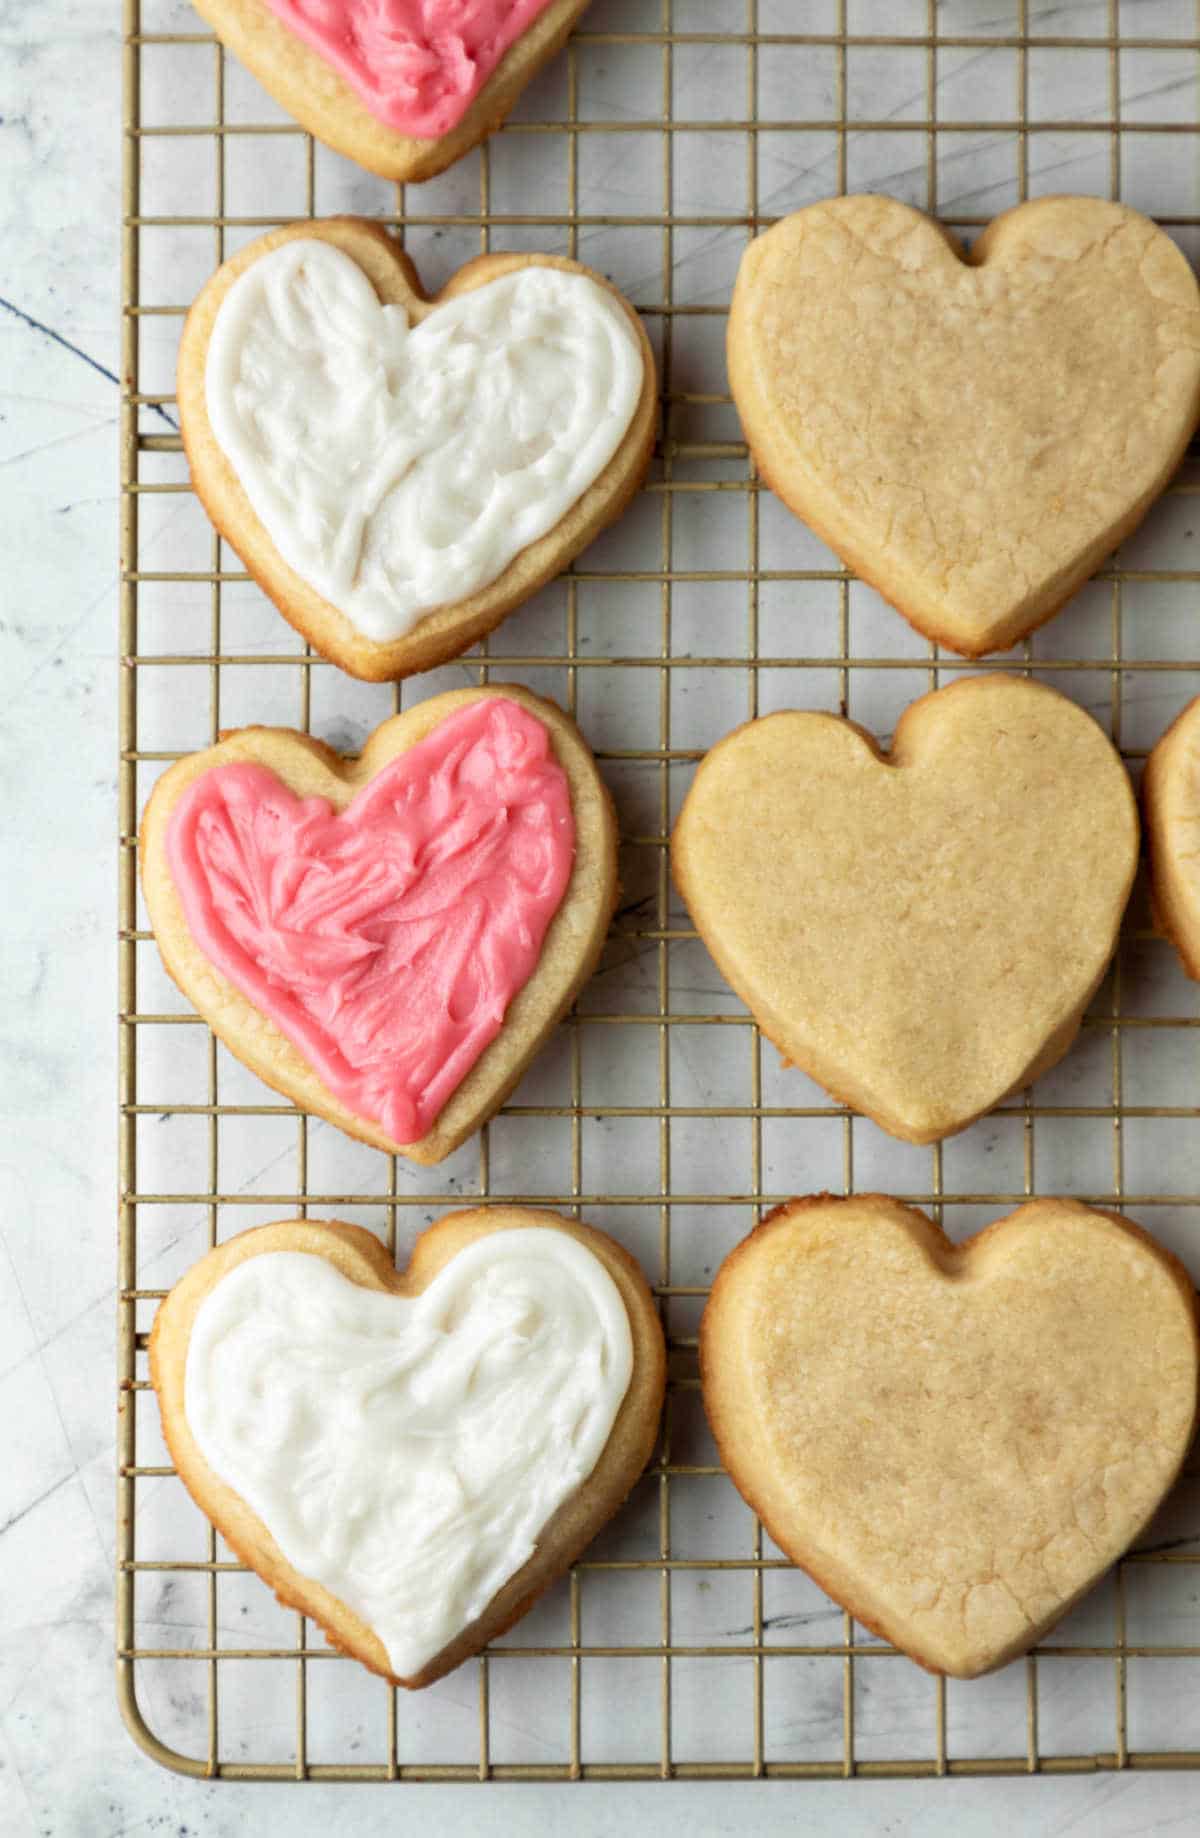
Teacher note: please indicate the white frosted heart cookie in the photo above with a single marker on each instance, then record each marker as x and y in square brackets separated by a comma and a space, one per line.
[956, 1442]
[972, 433]
[379, 82]
[387, 940]
[1171, 797]
[411, 1458]
[398, 473]
[922, 931]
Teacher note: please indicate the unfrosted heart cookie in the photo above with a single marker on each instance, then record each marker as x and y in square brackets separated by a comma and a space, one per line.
[398, 473]
[387, 941]
[1171, 794]
[411, 1459]
[972, 434]
[955, 1441]
[922, 931]
[403, 87]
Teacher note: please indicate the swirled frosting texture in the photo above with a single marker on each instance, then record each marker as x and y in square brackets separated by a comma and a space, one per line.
[400, 468]
[417, 65]
[385, 941]
[406, 1453]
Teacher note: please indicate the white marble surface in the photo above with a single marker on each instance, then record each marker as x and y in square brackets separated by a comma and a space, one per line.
[66, 1764]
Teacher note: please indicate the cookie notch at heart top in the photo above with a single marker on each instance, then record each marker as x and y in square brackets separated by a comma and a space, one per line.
[922, 932]
[972, 434]
[364, 523]
[307, 769]
[322, 100]
[956, 1442]
[358, 1256]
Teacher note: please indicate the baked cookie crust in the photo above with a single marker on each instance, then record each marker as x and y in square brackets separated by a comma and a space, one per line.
[359, 1256]
[973, 433]
[308, 768]
[954, 1441]
[450, 629]
[1171, 800]
[920, 932]
[322, 101]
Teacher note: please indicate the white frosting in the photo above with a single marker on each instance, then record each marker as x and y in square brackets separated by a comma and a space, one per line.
[400, 468]
[406, 1452]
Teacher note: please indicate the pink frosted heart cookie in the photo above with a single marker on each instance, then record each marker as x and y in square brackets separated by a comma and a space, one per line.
[387, 941]
[404, 87]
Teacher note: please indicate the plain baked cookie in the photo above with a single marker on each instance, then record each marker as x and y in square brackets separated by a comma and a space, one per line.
[973, 433]
[324, 934]
[395, 544]
[954, 1441]
[919, 931]
[272, 1379]
[1171, 798]
[323, 101]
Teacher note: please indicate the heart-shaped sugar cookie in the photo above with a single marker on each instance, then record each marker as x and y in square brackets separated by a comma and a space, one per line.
[387, 942]
[398, 473]
[956, 1442]
[922, 932]
[1171, 794]
[411, 1459]
[403, 87]
[973, 435]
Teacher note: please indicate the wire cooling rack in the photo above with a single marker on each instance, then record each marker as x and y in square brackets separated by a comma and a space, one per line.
[684, 1644]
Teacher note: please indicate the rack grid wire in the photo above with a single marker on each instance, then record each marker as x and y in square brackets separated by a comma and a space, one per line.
[684, 1645]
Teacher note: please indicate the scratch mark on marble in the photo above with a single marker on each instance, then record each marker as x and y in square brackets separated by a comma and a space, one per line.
[60, 648]
[782, 1622]
[1086, 1814]
[35, 325]
[34, 1504]
[102, 1299]
[13, 1283]
[59, 440]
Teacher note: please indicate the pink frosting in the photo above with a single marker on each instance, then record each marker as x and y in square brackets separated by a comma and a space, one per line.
[415, 64]
[386, 941]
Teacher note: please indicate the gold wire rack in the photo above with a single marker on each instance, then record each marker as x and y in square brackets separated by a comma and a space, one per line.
[684, 1645]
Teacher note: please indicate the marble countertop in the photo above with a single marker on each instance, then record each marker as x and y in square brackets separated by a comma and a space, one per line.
[67, 1767]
